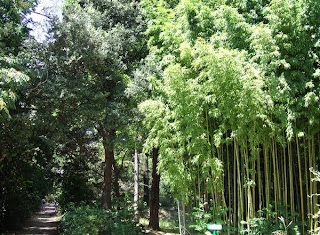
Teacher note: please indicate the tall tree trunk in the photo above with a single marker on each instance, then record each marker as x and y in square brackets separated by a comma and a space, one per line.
[154, 203]
[136, 186]
[109, 156]
[116, 171]
[146, 191]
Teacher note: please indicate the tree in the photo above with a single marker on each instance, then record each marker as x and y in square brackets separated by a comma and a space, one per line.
[96, 46]
[24, 151]
[154, 203]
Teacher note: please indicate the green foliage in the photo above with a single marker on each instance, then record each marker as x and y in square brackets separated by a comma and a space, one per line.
[12, 82]
[200, 220]
[13, 32]
[77, 167]
[225, 84]
[80, 179]
[95, 220]
[22, 186]
[24, 150]
[316, 229]
[234, 78]
[262, 225]
[13, 24]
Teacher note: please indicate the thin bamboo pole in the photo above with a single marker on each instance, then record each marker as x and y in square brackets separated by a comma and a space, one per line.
[260, 186]
[285, 185]
[235, 198]
[306, 176]
[292, 209]
[229, 184]
[266, 172]
[275, 186]
[300, 182]
[311, 184]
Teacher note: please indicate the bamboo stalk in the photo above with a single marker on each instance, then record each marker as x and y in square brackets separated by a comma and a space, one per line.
[311, 185]
[285, 191]
[306, 176]
[277, 172]
[229, 184]
[300, 183]
[275, 186]
[266, 172]
[315, 199]
[254, 187]
[235, 210]
[240, 195]
[292, 209]
[259, 182]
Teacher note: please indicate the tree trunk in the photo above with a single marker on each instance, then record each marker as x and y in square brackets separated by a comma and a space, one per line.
[116, 171]
[146, 194]
[136, 186]
[116, 187]
[106, 194]
[107, 181]
[154, 203]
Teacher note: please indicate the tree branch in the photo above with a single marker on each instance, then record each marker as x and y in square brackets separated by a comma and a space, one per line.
[38, 13]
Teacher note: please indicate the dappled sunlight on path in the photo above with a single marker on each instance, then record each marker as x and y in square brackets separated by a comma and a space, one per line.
[153, 232]
[44, 222]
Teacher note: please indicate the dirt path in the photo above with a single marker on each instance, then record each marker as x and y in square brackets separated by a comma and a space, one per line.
[149, 231]
[44, 222]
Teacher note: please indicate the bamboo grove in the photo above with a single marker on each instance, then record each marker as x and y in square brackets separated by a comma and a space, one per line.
[234, 108]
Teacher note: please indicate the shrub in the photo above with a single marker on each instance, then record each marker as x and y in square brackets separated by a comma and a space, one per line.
[95, 220]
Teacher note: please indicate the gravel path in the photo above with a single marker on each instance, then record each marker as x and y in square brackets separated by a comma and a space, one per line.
[43, 222]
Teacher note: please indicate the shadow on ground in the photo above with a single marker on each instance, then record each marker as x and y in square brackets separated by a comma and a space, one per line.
[45, 221]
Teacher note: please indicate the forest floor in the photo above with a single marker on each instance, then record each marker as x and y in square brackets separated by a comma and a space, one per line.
[45, 221]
